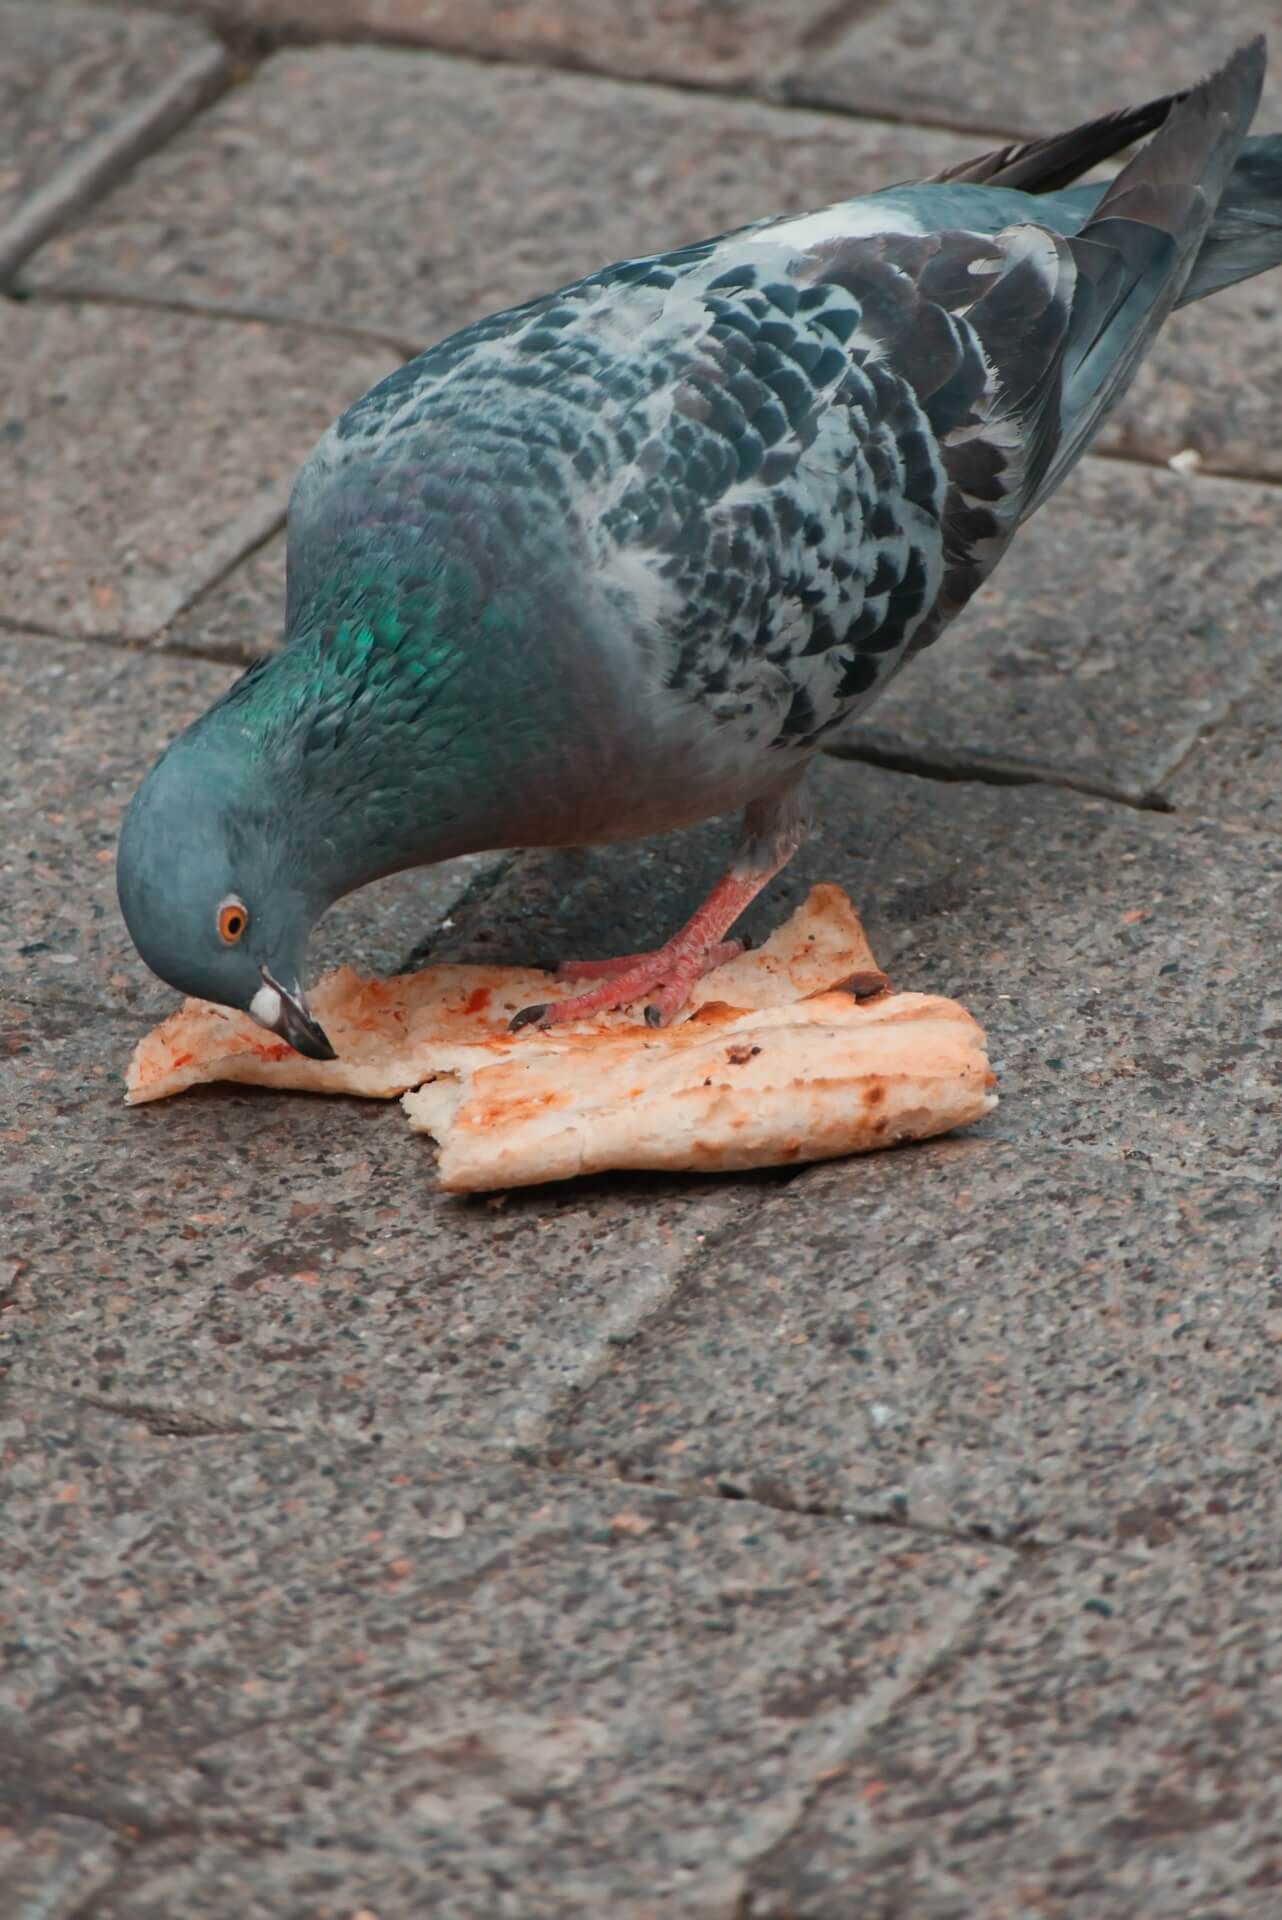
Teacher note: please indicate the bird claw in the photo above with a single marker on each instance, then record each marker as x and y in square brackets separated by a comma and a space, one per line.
[527, 1017]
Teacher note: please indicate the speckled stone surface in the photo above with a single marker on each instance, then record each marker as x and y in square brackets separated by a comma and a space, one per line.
[1210, 385]
[1236, 773]
[1128, 617]
[1103, 1746]
[235, 1255]
[1025, 1341]
[1136, 949]
[407, 193]
[1064, 1320]
[79, 726]
[84, 90]
[748, 44]
[241, 616]
[187, 433]
[49, 1868]
[347, 1677]
[1018, 69]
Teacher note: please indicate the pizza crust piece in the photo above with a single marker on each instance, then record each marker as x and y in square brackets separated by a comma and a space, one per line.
[791, 1053]
[726, 1090]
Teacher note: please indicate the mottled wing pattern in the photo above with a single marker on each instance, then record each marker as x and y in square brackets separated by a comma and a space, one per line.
[975, 325]
[861, 421]
[792, 453]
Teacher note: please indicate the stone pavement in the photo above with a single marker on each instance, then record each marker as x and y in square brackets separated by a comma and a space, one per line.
[893, 1540]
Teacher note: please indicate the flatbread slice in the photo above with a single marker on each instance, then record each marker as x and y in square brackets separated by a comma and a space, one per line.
[795, 1052]
[725, 1090]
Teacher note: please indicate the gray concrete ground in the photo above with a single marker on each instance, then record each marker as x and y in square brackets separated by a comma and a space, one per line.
[895, 1540]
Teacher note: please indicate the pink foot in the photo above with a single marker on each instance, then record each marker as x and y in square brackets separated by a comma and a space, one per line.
[667, 974]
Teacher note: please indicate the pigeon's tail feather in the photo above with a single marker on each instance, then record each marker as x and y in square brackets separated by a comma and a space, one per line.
[1137, 251]
[1053, 162]
[1245, 237]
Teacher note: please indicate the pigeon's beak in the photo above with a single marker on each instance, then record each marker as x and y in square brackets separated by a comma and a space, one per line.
[288, 1015]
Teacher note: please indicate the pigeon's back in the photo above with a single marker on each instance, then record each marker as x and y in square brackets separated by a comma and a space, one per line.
[755, 474]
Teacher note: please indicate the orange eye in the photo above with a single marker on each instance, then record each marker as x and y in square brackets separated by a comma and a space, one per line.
[233, 918]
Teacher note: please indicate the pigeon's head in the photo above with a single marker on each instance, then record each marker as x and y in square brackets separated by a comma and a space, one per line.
[211, 889]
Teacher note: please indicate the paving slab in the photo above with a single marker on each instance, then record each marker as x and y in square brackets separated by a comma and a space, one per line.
[1100, 1749]
[147, 451]
[231, 1260]
[751, 45]
[1128, 618]
[1121, 961]
[317, 1678]
[407, 193]
[982, 1336]
[1235, 773]
[84, 92]
[1077, 1301]
[79, 725]
[50, 1871]
[1010, 68]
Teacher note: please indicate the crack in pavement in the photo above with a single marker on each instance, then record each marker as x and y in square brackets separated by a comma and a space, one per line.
[232, 312]
[1020, 1540]
[949, 766]
[34, 1775]
[179, 1423]
[109, 155]
[1010, 1594]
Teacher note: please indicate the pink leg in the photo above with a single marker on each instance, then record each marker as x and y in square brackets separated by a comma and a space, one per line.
[606, 969]
[672, 969]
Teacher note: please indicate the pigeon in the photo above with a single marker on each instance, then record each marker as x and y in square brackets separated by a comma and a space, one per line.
[622, 558]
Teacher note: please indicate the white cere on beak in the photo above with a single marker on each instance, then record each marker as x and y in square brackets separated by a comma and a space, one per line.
[266, 1007]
